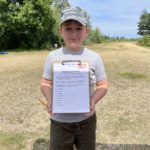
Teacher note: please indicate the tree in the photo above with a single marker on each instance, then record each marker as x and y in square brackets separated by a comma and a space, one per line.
[27, 24]
[95, 36]
[60, 4]
[5, 23]
[57, 7]
[144, 23]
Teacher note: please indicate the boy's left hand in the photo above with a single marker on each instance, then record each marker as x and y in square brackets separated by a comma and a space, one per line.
[92, 108]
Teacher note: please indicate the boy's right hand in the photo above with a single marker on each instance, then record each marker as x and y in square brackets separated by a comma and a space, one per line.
[46, 88]
[48, 108]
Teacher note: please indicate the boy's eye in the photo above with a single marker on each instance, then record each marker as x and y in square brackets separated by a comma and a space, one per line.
[79, 29]
[68, 29]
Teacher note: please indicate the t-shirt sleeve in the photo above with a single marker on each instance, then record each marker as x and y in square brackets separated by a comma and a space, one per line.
[99, 69]
[47, 72]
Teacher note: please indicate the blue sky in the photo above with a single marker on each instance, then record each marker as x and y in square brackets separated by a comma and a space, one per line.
[114, 17]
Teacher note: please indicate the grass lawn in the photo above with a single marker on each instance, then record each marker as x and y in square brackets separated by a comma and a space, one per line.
[123, 115]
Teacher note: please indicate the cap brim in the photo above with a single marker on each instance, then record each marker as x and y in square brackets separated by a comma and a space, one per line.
[73, 18]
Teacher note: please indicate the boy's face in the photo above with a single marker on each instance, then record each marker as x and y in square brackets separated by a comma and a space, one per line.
[73, 34]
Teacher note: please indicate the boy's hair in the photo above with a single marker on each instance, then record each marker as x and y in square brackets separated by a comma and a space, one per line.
[71, 21]
[75, 13]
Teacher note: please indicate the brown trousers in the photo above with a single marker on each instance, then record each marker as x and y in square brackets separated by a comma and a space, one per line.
[64, 136]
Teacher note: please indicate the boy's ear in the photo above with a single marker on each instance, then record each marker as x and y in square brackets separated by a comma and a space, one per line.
[60, 30]
[87, 31]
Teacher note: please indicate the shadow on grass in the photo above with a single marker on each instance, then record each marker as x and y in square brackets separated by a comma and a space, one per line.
[43, 144]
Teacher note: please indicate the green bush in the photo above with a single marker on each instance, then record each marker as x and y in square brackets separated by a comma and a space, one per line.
[145, 41]
[133, 75]
[29, 24]
[95, 36]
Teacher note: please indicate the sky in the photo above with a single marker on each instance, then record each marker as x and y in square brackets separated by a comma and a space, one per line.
[114, 17]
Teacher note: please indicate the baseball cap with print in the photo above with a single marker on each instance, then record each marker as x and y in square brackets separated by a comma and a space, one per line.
[75, 13]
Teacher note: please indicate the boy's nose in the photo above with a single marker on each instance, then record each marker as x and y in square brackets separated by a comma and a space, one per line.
[74, 32]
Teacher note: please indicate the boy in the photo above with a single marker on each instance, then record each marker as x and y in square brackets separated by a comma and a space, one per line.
[76, 129]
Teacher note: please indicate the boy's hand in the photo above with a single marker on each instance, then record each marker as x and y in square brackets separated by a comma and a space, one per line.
[46, 88]
[92, 108]
[48, 108]
[47, 105]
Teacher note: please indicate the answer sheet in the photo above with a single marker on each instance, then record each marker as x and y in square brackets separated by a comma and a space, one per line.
[70, 88]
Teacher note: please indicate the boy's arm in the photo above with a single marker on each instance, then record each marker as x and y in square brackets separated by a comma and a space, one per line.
[101, 89]
[46, 88]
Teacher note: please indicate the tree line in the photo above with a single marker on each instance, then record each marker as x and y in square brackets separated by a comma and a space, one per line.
[144, 28]
[34, 24]
[26, 24]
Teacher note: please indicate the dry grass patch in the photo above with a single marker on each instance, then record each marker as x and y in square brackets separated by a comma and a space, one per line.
[123, 115]
[12, 141]
[133, 75]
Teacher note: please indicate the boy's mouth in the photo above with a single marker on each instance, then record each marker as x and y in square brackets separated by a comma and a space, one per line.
[73, 39]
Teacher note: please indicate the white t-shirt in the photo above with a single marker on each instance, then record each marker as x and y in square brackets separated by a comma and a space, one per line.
[97, 73]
